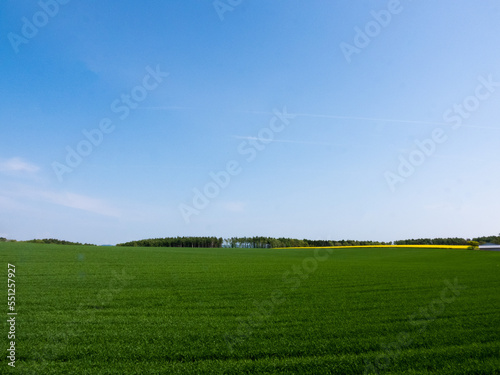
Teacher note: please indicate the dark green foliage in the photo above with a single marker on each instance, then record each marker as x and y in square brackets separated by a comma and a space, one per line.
[177, 242]
[260, 242]
[270, 242]
[243, 242]
[57, 242]
[433, 241]
[448, 241]
[488, 239]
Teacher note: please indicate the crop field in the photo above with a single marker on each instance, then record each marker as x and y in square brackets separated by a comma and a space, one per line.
[119, 310]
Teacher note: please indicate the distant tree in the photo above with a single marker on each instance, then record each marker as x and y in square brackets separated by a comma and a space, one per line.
[176, 242]
[57, 242]
[491, 239]
[473, 245]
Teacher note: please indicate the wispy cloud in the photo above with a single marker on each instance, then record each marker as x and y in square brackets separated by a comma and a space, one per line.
[326, 116]
[17, 165]
[26, 197]
[79, 202]
[263, 140]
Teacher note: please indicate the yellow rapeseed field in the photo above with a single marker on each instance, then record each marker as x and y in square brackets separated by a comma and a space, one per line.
[419, 246]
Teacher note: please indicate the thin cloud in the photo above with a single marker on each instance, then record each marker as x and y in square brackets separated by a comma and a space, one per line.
[17, 165]
[319, 115]
[265, 140]
[80, 202]
[21, 196]
[375, 119]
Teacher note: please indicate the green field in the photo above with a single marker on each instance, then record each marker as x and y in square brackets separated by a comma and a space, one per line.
[108, 310]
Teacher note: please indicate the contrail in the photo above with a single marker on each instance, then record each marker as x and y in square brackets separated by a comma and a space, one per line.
[336, 117]
[282, 141]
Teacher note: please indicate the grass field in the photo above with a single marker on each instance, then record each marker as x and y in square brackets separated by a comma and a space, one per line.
[107, 310]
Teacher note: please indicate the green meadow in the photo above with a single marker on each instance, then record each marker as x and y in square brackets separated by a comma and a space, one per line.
[119, 310]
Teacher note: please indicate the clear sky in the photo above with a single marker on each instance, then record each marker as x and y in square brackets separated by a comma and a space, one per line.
[368, 120]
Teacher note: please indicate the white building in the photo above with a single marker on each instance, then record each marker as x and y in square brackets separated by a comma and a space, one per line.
[490, 246]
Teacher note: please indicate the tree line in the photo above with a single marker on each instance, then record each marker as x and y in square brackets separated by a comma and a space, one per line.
[271, 242]
[488, 239]
[433, 241]
[260, 242]
[176, 242]
[57, 242]
[448, 241]
[243, 242]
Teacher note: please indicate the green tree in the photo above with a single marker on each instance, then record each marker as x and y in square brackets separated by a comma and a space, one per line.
[473, 245]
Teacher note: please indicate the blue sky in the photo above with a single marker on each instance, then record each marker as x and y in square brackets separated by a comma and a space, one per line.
[172, 91]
